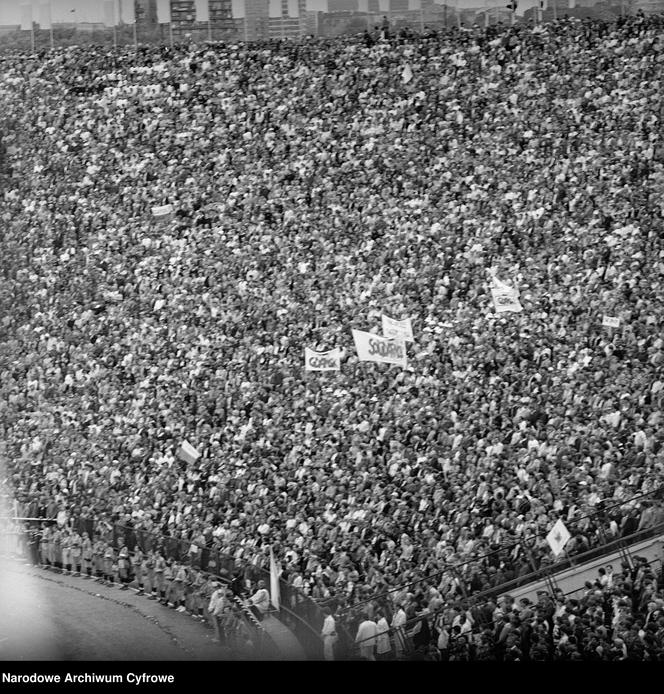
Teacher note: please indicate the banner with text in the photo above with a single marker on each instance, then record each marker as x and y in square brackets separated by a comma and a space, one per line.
[397, 329]
[383, 350]
[322, 361]
[505, 298]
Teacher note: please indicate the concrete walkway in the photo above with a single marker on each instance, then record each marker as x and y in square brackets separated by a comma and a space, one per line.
[193, 637]
[284, 639]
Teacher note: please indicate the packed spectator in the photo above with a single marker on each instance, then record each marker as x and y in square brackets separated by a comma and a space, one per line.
[314, 187]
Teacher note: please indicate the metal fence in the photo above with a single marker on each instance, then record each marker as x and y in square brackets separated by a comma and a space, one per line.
[299, 612]
[20, 538]
[605, 545]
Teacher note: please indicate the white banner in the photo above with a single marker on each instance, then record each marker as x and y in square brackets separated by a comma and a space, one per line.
[188, 453]
[397, 329]
[505, 298]
[322, 361]
[383, 350]
[611, 322]
[161, 211]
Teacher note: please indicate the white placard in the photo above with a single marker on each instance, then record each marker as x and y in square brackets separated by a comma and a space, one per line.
[188, 453]
[611, 322]
[379, 349]
[160, 211]
[322, 361]
[397, 329]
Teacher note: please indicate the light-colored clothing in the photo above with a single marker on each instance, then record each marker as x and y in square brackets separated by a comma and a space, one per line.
[383, 644]
[217, 602]
[366, 638]
[329, 634]
[398, 623]
[261, 600]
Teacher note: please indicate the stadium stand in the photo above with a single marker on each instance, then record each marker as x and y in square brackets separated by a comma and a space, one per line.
[180, 224]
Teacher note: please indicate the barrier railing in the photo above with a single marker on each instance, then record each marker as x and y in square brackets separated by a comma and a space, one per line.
[303, 614]
[24, 542]
[622, 543]
[404, 633]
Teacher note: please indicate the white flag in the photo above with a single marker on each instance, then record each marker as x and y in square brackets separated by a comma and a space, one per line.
[293, 8]
[558, 537]
[397, 329]
[383, 350]
[188, 453]
[407, 74]
[275, 572]
[611, 322]
[322, 361]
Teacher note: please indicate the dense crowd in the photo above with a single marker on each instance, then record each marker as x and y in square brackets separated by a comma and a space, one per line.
[316, 186]
[616, 617]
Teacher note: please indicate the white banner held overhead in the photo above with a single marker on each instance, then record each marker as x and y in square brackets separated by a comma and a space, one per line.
[322, 361]
[162, 212]
[397, 329]
[611, 322]
[558, 537]
[505, 298]
[383, 350]
[188, 453]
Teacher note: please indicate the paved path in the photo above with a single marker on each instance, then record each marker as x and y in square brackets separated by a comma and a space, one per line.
[46, 615]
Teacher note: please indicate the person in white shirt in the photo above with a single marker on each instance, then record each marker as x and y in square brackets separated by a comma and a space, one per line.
[329, 634]
[398, 624]
[366, 638]
[260, 601]
[216, 609]
[383, 645]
